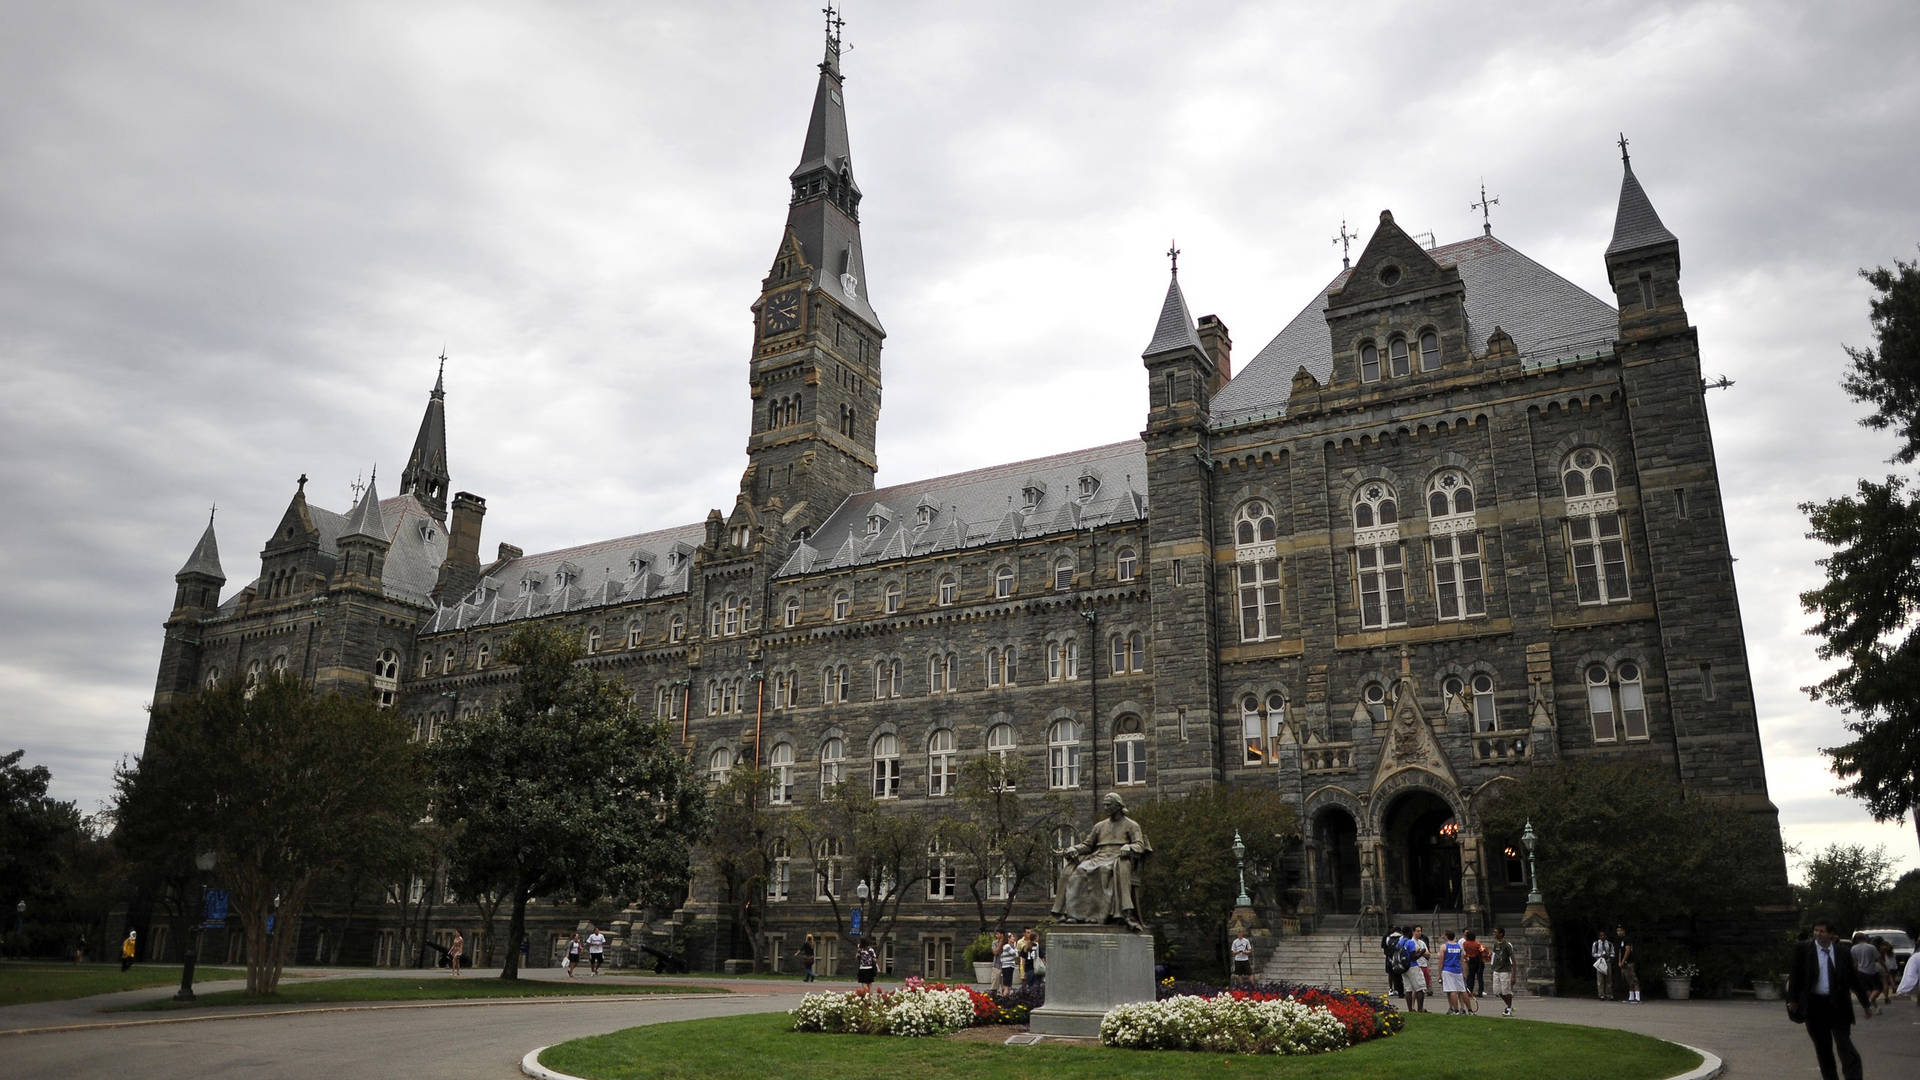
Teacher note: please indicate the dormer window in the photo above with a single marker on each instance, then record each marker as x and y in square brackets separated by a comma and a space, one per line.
[427, 532]
[925, 512]
[562, 579]
[674, 559]
[875, 523]
[1089, 484]
[529, 585]
[1031, 495]
[637, 565]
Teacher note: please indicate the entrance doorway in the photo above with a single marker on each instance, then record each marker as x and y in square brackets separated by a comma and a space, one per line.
[1423, 854]
[1337, 861]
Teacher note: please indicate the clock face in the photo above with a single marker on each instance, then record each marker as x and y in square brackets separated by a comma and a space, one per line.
[781, 312]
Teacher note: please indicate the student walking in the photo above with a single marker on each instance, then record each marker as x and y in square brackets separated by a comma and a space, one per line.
[1503, 969]
[127, 950]
[573, 954]
[459, 949]
[596, 948]
[1603, 966]
[806, 960]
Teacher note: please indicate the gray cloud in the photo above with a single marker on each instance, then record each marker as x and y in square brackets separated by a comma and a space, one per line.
[232, 239]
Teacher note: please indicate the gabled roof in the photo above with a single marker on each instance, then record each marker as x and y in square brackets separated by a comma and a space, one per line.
[979, 508]
[1635, 224]
[1548, 317]
[602, 573]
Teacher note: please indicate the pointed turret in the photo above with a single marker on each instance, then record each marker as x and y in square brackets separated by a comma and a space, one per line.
[425, 477]
[1643, 262]
[205, 560]
[197, 584]
[364, 544]
[1180, 370]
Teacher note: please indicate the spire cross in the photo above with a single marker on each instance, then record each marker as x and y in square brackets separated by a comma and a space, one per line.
[443, 362]
[211, 510]
[1343, 240]
[356, 487]
[303, 482]
[1624, 159]
[834, 23]
[1485, 206]
[1173, 255]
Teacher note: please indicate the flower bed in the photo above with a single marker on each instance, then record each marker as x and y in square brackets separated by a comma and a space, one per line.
[918, 1009]
[1225, 1024]
[1364, 1015]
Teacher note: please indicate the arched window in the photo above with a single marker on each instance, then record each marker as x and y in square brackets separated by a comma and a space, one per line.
[1003, 582]
[842, 603]
[482, 655]
[1369, 362]
[1429, 351]
[1458, 586]
[213, 677]
[1397, 360]
[1129, 752]
[719, 764]
[1596, 539]
[1379, 563]
[940, 762]
[780, 773]
[1485, 718]
[833, 764]
[388, 666]
[446, 663]
[1063, 755]
[1260, 720]
[593, 639]
[426, 664]
[1257, 571]
[1126, 564]
[1128, 652]
[1616, 702]
[940, 673]
[1002, 748]
[734, 614]
[833, 684]
[676, 628]
[1063, 660]
[1000, 666]
[949, 589]
[790, 612]
[1063, 573]
[886, 767]
[633, 634]
[890, 598]
[780, 874]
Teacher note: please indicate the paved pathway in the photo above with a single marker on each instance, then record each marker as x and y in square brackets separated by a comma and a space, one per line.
[486, 1039]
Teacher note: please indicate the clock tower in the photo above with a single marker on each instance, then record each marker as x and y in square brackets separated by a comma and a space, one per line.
[815, 373]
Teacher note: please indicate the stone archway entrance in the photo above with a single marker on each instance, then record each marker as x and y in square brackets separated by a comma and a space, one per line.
[1422, 846]
[1336, 854]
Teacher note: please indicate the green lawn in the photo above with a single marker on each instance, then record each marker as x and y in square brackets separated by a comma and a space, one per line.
[21, 984]
[438, 987]
[1432, 1048]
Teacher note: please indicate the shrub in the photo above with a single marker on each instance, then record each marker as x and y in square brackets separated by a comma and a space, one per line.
[1225, 1024]
[1364, 1015]
[918, 1010]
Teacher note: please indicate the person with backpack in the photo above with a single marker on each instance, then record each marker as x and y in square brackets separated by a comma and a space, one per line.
[1417, 978]
[1396, 962]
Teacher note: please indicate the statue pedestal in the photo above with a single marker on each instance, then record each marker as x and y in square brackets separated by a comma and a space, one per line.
[1090, 969]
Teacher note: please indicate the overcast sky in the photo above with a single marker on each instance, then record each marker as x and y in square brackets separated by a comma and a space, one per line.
[234, 237]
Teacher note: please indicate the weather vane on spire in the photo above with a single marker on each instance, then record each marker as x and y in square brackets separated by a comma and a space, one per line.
[1173, 255]
[1624, 160]
[1485, 206]
[834, 23]
[356, 487]
[1343, 240]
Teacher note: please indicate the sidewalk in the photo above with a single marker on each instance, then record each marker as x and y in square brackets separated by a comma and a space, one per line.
[1754, 1038]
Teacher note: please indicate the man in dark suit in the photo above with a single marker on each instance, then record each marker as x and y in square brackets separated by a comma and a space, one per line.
[1818, 984]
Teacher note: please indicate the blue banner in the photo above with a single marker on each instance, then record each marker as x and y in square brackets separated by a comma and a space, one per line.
[216, 908]
[856, 920]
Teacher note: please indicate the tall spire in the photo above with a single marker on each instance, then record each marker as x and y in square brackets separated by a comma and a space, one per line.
[1175, 329]
[824, 214]
[1635, 224]
[425, 477]
[205, 559]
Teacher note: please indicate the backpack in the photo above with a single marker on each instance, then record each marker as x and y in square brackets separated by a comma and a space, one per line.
[1396, 953]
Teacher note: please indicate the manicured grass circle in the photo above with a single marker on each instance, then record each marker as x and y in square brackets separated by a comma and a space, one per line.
[439, 987]
[1432, 1048]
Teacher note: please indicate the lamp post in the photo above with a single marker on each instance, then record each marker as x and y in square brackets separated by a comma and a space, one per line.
[204, 863]
[1240, 857]
[20, 928]
[1533, 880]
[860, 893]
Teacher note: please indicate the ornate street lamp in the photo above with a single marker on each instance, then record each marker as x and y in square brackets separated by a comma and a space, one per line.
[1533, 878]
[204, 863]
[1240, 857]
[860, 892]
[20, 928]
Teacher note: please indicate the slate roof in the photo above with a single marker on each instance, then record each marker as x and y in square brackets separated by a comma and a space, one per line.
[206, 556]
[365, 519]
[1175, 329]
[1635, 224]
[598, 574]
[1549, 318]
[417, 546]
[985, 506]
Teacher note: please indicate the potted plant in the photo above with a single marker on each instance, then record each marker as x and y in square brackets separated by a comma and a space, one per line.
[981, 955]
[1679, 973]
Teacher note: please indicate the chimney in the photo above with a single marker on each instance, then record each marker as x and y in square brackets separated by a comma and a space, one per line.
[462, 566]
[1219, 346]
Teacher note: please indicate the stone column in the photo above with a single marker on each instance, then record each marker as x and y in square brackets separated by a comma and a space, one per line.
[1538, 934]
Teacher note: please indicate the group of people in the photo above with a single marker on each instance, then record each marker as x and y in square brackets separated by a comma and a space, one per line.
[596, 947]
[866, 961]
[1021, 960]
[1463, 960]
[1616, 968]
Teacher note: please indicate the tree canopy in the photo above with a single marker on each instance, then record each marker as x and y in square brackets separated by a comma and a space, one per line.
[1002, 838]
[1617, 842]
[1192, 880]
[564, 790]
[284, 785]
[1847, 883]
[1866, 608]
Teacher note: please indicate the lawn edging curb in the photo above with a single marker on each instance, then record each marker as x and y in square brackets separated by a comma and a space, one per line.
[530, 1065]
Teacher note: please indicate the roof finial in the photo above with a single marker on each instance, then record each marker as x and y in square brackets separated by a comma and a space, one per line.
[1173, 255]
[211, 510]
[834, 23]
[303, 483]
[1624, 159]
[1485, 206]
[1343, 240]
[356, 487]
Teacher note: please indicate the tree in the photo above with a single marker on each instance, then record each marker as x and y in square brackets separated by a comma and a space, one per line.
[564, 789]
[1617, 842]
[35, 833]
[1900, 907]
[746, 844]
[880, 844]
[1002, 838]
[284, 785]
[1192, 881]
[1847, 883]
[1865, 610]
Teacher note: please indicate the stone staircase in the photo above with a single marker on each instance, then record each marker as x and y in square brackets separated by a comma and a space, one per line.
[1333, 955]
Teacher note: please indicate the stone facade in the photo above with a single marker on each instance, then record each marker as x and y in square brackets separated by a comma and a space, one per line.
[1457, 521]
